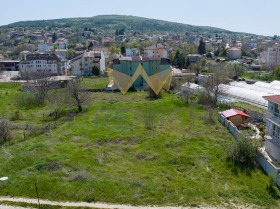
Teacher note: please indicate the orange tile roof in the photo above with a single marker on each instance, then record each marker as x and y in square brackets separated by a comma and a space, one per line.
[273, 98]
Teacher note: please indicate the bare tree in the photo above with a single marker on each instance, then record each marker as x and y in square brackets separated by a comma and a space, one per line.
[214, 84]
[5, 133]
[77, 93]
[38, 83]
[235, 69]
[196, 67]
[186, 92]
[58, 100]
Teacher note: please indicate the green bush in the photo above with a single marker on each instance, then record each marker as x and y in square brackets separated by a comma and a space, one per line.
[242, 151]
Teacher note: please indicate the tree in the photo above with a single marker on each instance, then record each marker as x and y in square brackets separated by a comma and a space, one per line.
[123, 50]
[213, 85]
[39, 84]
[188, 63]
[5, 133]
[242, 151]
[276, 73]
[90, 45]
[196, 67]
[58, 100]
[201, 47]
[235, 69]
[76, 93]
[70, 54]
[95, 71]
[54, 37]
[179, 60]
[209, 55]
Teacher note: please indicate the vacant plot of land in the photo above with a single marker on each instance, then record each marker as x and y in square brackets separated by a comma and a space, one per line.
[125, 149]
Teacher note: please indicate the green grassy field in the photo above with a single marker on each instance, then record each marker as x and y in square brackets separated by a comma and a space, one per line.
[106, 154]
[258, 76]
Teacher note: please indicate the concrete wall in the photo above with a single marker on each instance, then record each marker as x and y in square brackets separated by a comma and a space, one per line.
[230, 126]
[267, 166]
[272, 149]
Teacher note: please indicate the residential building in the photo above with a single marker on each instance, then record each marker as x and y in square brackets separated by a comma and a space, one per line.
[194, 57]
[108, 41]
[62, 45]
[62, 53]
[83, 64]
[9, 65]
[157, 51]
[45, 63]
[234, 53]
[272, 137]
[132, 52]
[45, 47]
[273, 55]
[151, 65]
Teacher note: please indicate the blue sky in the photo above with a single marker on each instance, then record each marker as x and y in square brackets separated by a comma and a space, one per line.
[252, 16]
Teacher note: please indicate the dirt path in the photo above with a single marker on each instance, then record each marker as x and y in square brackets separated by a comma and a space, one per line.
[90, 205]
[11, 207]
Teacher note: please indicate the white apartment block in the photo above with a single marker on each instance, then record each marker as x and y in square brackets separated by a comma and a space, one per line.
[157, 51]
[83, 64]
[45, 63]
[273, 56]
[272, 137]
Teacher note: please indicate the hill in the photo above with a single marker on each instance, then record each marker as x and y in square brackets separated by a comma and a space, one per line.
[119, 21]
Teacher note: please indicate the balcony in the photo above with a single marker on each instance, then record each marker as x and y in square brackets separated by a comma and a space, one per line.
[274, 117]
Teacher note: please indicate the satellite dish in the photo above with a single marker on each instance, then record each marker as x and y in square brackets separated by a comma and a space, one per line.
[3, 178]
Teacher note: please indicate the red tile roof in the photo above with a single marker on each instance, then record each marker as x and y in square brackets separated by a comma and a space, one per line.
[273, 98]
[232, 112]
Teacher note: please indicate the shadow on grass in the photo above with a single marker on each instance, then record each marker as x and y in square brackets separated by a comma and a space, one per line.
[247, 168]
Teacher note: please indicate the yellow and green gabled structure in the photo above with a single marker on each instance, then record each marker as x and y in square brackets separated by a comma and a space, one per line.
[137, 72]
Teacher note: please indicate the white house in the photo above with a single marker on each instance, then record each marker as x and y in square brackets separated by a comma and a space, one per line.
[45, 63]
[83, 64]
[273, 56]
[157, 51]
[44, 46]
[132, 52]
[272, 137]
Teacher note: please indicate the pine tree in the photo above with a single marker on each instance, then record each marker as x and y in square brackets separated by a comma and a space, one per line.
[201, 47]
[123, 50]
[54, 37]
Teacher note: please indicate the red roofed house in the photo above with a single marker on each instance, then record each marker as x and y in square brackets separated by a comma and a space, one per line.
[237, 117]
[272, 137]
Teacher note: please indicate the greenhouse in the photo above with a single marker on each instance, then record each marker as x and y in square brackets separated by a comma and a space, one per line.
[252, 93]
